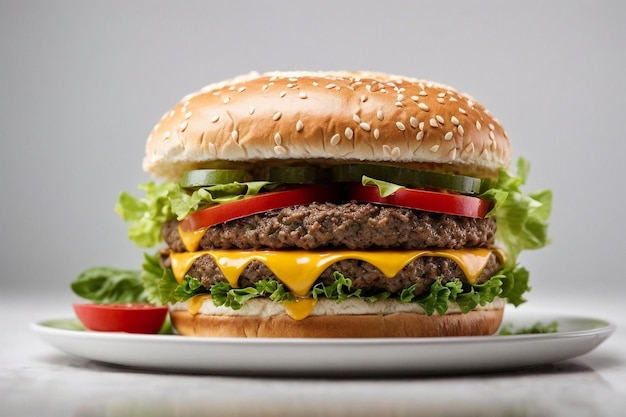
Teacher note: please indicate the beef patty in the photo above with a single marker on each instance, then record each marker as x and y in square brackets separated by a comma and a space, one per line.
[349, 225]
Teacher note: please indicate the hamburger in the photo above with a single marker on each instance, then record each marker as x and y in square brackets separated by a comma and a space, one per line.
[333, 204]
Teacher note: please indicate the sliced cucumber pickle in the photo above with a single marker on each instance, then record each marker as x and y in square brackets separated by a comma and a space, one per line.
[294, 175]
[408, 177]
[207, 177]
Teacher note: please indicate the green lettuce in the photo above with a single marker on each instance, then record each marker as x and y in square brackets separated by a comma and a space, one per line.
[106, 285]
[522, 218]
[167, 201]
[384, 188]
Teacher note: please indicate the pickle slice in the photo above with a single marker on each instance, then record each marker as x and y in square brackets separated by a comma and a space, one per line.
[408, 177]
[294, 175]
[207, 177]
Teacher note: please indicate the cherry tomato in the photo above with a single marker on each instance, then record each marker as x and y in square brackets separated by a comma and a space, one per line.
[455, 204]
[221, 213]
[129, 318]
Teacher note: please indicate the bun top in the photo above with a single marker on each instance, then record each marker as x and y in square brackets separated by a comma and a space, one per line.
[326, 117]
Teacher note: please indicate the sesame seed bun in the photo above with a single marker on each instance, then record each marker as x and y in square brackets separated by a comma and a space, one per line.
[327, 117]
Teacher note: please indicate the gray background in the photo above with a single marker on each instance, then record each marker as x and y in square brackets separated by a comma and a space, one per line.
[82, 84]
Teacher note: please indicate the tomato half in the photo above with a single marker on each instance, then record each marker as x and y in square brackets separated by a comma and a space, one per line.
[129, 318]
[221, 213]
[455, 204]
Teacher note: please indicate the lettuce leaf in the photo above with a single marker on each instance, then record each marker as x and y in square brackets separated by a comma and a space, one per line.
[522, 218]
[167, 201]
[106, 285]
[384, 188]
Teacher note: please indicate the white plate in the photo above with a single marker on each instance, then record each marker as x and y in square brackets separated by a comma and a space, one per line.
[455, 355]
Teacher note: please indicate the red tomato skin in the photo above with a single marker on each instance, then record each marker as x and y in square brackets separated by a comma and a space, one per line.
[128, 318]
[433, 201]
[221, 213]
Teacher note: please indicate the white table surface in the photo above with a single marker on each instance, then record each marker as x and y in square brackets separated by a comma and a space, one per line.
[37, 379]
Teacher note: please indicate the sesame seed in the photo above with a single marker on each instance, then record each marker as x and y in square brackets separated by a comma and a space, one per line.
[226, 100]
[454, 120]
[452, 99]
[421, 126]
[278, 140]
[398, 104]
[469, 148]
[241, 89]
[188, 115]
[376, 133]
[331, 85]
[420, 135]
[433, 123]
[400, 126]
[335, 139]
[462, 110]
[315, 84]
[363, 98]
[491, 126]
[423, 106]
[423, 93]
[282, 94]
[279, 149]
[276, 116]
[382, 90]
[440, 100]
[461, 130]
[265, 86]
[441, 95]
[434, 148]
[491, 135]
[215, 118]
[299, 126]
[231, 88]
[234, 134]
[368, 88]
[356, 118]
[171, 113]
[290, 85]
[380, 115]
[400, 97]
[365, 126]
[349, 133]
[478, 126]
[303, 94]
[293, 79]
[453, 153]
[413, 122]
[395, 153]
[212, 149]
[183, 126]
[448, 136]
[166, 135]
[415, 98]
[251, 110]
[440, 119]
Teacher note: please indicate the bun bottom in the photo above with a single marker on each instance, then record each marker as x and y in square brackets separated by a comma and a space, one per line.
[474, 323]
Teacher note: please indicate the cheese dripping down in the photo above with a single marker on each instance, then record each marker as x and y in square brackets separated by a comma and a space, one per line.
[298, 269]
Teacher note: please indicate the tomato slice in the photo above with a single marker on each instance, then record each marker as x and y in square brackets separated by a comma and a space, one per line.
[221, 213]
[129, 318]
[455, 204]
